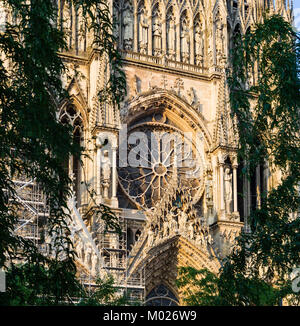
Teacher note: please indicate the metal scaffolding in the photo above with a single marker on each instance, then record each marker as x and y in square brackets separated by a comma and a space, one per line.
[31, 207]
[113, 249]
[108, 246]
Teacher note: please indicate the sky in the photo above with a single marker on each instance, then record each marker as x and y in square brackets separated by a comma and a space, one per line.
[297, 13]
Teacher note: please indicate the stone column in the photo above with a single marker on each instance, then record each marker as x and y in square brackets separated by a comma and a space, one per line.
[192, 45]
[135, 31]
[98, 175]
[178, 41]
[114, 177]
[235, 208]
[149, 20]
[164, 36]
[222, 205]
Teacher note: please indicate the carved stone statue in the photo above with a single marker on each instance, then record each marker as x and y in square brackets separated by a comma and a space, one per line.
[79, 249]
[185, 42]
[182, 221]
[199, 46]
[137, 85]
[191, 96]
[81, 32]
[219, 41]
[106, 172]
[165, 229]
[88, 255]
[156, 29]
[67, 24]
[228, 189]
[143, 32]
[208, 190]
[151, 236]
[171, 38]
[127, 29]
[191, 230]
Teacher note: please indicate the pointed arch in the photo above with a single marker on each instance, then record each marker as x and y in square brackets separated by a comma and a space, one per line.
[161, 263]
[177, 107]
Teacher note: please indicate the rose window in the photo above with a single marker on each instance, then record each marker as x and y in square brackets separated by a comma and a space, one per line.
[158, 154]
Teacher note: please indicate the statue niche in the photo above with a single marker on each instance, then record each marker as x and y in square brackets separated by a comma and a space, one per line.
[106, 173]
[228, 189]
[143, 32]
[67, 23]
[171, 37]
[156, 32]
[219, 41]
[127, 26]
[185, 41]
[199, 44]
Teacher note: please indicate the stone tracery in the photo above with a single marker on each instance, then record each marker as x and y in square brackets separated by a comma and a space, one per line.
[166, 155]
[175, 55]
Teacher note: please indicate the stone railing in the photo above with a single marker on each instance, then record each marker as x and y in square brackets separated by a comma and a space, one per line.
[163, 61]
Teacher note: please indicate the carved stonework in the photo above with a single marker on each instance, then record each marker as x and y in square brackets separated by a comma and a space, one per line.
[182, 202]
[228, 189]
[106, 173]
[127, 27]
[143, 31]
[185, 41]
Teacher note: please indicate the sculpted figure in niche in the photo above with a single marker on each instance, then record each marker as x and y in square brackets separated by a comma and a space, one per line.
[137, 85]
[67, 24]
[81, 32]
[143, 32]
[209, 190]
[79, 248]
[156, 35]
[199, 45]
[171, 39]
[185, 42]
[191, 230]
[151, 235]
[165, 229]
[219, 41]
[228, 189]
[127, 29]
[88, 255]
[106, 172]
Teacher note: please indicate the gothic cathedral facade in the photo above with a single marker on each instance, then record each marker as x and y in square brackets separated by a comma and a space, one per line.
[180, 202]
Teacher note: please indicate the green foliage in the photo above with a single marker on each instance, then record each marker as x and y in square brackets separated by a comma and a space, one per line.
[203, 288]
[35, 145]
[267, 118]
[199, 287]
[98, 19]
[106, 294]
[35, 284]
[268, 129]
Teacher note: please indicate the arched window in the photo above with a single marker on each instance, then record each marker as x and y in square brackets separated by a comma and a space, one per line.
[70, 115]
[161, 296]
